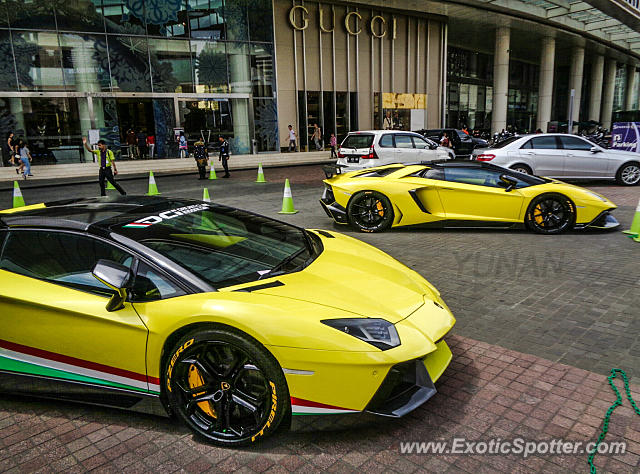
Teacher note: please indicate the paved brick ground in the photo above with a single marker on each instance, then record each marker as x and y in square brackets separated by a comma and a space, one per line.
[487, 392]
[570, 299]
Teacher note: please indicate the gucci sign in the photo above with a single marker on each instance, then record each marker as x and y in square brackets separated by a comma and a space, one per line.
[353, 22]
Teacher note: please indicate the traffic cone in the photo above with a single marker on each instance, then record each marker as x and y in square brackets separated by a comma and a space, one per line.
[287, 200]
[205, 195]
[212, 173]
[634, 231]
[18, 200]
[153, 188]
[109, 185]
[260, 175]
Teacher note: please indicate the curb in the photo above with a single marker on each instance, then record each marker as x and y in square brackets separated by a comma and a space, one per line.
[54, 182]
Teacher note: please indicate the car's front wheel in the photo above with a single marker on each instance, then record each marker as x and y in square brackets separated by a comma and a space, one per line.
[370, 211]
[225, 386]
[629, 174]
[550, 214]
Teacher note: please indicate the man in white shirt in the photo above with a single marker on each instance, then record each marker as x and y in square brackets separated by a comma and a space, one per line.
[292, 139]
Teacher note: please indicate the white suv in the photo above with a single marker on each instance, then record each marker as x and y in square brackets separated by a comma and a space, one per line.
[366, 149]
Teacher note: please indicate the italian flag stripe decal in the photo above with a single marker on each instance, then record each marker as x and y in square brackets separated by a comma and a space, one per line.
[300, 406]
[35, 361]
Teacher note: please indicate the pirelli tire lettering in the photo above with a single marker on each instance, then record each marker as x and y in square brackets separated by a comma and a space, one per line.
[173, 361]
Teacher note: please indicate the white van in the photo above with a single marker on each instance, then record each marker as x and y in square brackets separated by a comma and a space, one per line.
[366, 149]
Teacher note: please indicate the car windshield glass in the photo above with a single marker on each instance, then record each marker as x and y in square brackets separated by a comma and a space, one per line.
[223, 246]
[504, 142]
[357, 141]
[462, 135]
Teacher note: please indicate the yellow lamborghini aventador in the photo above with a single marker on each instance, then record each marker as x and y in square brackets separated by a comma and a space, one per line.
[230, 320]
[460, 193]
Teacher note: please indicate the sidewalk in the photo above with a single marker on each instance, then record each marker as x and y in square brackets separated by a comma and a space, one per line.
[133, 168]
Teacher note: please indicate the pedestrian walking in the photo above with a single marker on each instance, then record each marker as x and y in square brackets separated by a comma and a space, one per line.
[25, 159]
[292, 139]
[183, 146]
[333, 141]
[11, 149]
[201, 154]
[316, 136]
[132, 144]
[141, 136]
[151, 144]
[224, 156]
[108, 169]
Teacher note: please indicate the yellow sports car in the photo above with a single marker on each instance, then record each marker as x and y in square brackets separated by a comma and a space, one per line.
[460, 193]
[230, 320]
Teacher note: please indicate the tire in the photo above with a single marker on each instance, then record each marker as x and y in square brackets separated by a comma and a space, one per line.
[550, 214]
[522, 168]
[629, 174]
[370, 211]
[242, 391]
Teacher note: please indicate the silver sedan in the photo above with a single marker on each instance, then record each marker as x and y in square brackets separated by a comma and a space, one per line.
[563, 156]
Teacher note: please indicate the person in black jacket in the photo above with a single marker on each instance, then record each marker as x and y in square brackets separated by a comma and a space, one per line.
[202, 157]
[224, 156]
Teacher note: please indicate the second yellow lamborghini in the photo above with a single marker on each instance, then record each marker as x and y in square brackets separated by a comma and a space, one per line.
[462, 193]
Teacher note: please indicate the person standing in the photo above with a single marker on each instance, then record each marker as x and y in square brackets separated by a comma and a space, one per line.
[292, 139]
[333, 141]
[201, 154]
[317, 136]
[183, 146]
[25, 159]
[107, 161]
[444, 141]
[132, 143]
[11, 149]
[142, 144]
[151, 144]
[224, 156]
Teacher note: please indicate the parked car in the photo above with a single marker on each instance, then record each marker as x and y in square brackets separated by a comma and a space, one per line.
[462, 143]
[560, 155]
[360, 150]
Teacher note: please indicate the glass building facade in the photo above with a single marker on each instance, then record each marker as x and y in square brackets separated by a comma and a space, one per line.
[157, 67]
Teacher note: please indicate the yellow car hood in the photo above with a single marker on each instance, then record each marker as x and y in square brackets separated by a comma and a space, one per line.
[355, 277]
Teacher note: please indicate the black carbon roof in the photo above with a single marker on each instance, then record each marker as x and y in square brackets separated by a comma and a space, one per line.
[80, 213]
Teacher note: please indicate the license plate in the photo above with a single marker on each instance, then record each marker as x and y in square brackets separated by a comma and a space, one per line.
[353, 159]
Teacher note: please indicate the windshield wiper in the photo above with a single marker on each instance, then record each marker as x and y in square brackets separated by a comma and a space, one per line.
[276, 269]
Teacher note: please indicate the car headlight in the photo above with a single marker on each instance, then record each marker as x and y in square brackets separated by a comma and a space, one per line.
[597, 196]
[377, 332]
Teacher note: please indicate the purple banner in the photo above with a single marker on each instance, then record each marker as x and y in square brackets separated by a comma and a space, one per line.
[626, 136]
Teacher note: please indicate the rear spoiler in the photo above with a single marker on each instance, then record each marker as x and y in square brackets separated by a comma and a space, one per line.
[331, 170]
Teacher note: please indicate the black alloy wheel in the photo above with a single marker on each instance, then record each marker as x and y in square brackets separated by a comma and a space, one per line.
[226, 387]
[370, 211]
[550, 214]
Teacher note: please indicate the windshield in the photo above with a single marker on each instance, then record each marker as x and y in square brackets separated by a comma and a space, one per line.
[357, 141]
[221, 245]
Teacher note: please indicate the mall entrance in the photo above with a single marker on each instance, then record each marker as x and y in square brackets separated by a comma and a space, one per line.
[134, 115]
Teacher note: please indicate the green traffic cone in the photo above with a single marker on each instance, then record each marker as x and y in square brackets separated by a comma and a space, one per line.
[18, 200]
[205, 195]
[153, 188]
[109, 185]
[212, 173]
[287, 200]
[634, 231]
[260, 175]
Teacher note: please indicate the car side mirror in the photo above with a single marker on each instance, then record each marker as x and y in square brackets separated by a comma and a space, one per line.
[509, 182]
[433, 146]
[595, 149]
[116, 277]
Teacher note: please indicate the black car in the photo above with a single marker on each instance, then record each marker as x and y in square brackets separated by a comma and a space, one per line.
[461, 143]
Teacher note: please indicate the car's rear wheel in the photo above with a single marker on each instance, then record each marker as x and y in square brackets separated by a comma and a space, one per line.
[370, 211]
[522, 168]
[226, 387]
[628, 174]
[550, 214]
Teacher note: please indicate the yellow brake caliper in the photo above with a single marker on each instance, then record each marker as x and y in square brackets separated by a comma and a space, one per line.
[537, 214]
[195, 380]
[380, 208]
